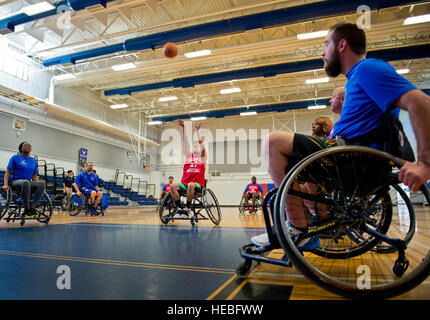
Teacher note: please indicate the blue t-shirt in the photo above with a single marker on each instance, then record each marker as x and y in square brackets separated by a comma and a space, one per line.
[87, 181]
[22, 167]
[372, 87]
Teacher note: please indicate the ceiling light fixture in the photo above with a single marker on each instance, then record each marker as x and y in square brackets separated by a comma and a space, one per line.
[312, 35]
[320, 80]
[125, 66]
[37, 8]
[164, 99]
[196, 54]
[119, 106]
[317, 107]
[249, 113]
[418, 19]
[230, 90]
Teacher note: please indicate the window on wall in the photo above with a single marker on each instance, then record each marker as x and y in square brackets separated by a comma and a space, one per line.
[14, 67]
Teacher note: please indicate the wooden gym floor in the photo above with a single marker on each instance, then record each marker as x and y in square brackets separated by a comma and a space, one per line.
[129, 254]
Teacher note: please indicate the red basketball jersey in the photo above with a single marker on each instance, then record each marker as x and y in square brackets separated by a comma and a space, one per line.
[194, 170]
[253, 188]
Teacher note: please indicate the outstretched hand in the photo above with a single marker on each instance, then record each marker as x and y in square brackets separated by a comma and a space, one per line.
[197, 126]
[180, 122]
[414, 175]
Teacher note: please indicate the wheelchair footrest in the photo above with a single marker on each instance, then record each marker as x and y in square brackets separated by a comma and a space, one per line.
[252, 252]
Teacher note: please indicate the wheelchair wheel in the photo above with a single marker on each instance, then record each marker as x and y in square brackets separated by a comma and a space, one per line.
[242, 206]
[353, 186]
[44, 211]
[211, 205]
[403, 223]
[166, 208]
[75, 205]
[5, 200]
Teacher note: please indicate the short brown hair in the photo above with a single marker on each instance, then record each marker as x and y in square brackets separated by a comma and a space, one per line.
[326, 124]
[355, 36]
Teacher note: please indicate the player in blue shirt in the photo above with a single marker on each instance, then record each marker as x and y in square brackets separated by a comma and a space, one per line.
[372, 88]
[88, 183]
[22, 174]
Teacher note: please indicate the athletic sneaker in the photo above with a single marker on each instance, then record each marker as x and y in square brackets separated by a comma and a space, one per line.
[30, 213]
[182, 213]
[307, 244]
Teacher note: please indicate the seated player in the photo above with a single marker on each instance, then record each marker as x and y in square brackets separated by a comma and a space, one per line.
[193, 178]
[166, 188]
[336, 102]
[22, 173]
[321, 127]
[68, 187]
[373, 88]
[87, 183]
[254, 191]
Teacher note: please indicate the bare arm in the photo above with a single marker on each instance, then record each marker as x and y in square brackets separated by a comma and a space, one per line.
[417, 103]
[201, 141]
[76, 188]
[187, 147]
[6, 179]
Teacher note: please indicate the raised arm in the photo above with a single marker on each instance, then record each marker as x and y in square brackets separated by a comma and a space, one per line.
[187, 146]
[201, 141]
[417, 103]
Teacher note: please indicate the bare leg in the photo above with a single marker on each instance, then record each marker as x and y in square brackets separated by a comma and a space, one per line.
[174, 191]
[277, 147]
[98, 198]
[246, 200]
[190, 192]
[93, 196]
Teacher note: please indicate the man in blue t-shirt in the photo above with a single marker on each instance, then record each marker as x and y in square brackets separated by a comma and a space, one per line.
[88, 183]
[373, 88]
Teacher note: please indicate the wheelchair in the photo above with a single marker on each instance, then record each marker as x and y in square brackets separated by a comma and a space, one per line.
[369, 248]
[12, 207]
[205, 206]
[78, 204]
[242, 206]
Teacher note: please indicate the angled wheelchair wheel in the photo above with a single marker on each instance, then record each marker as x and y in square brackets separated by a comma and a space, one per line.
[166, 208]
[75, 205]
[351, 189]
[212, 207]
[44, 211]
[242, 205]
[5, 200]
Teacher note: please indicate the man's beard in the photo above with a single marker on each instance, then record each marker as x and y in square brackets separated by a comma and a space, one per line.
[333, 67]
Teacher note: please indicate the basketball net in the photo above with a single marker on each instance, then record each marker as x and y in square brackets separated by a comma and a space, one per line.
[137, 141]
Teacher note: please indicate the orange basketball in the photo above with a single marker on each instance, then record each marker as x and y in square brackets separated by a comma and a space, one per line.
[170, 50]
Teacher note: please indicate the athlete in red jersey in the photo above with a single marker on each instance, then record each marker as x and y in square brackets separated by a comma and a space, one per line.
[193, 177]
[166, 188]
[254, 191]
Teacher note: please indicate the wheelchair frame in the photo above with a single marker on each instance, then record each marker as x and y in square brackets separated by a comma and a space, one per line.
[242, 207]
[279, 239]
[75, 207]
[15, 210]
[199, 204]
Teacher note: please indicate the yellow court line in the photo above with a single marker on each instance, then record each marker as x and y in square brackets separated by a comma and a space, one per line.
[118, 263]
[236, 291]
[221, 288]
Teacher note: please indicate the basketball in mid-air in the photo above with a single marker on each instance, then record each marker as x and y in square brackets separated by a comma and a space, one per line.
[170, 50]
